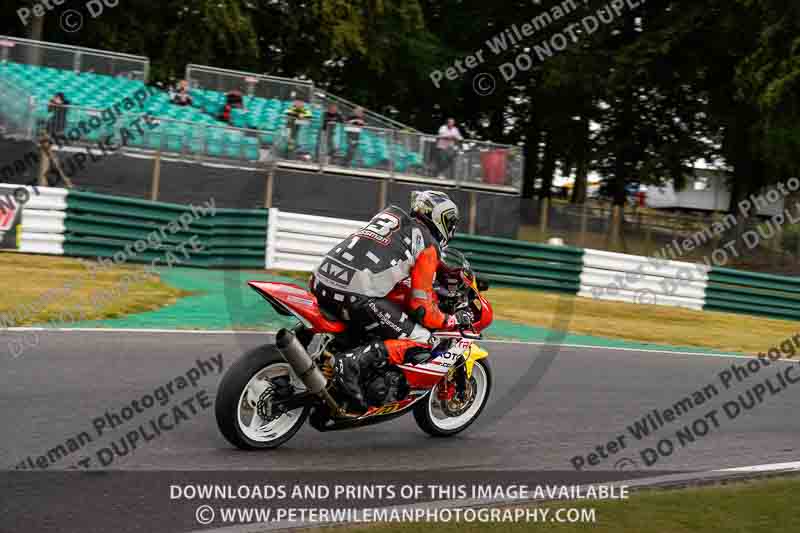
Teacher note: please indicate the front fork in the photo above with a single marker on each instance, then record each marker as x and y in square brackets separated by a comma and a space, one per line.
[455, 384]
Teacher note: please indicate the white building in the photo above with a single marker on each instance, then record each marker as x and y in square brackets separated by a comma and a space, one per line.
[707, 191]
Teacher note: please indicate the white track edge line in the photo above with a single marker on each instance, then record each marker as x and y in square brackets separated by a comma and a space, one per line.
[633, 483]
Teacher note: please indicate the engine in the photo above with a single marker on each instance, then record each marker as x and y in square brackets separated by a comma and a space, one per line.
[390, 386]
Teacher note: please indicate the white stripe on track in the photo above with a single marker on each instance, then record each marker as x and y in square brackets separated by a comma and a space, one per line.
[770, 467]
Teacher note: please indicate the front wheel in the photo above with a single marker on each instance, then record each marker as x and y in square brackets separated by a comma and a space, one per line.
[444, 418]
[247, 404]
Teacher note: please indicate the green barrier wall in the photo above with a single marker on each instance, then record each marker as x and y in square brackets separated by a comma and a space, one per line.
[753, 293]
[523, 264]
[99, 225]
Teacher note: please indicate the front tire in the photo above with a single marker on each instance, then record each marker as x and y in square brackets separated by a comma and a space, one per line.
[436, 417]
[248, 382]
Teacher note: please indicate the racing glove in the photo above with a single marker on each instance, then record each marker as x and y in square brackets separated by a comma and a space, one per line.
[462, 319]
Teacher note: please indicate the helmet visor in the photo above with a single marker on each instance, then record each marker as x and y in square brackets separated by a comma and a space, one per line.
[450, 220]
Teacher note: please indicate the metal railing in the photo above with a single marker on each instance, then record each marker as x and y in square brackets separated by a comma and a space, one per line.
[374, 152]
[347, 109]
[206, 141]
[401, 155]
[74, 58]
[383, 148]
[249, 84]
[71, 127]
[16, 110]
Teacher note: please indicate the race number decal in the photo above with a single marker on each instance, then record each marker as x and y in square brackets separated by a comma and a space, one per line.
[380, 228]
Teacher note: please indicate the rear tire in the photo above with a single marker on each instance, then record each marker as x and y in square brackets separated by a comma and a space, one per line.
[241, 386]
[428, 414]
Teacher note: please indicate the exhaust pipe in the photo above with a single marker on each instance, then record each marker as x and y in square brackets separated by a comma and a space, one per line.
[304, 367]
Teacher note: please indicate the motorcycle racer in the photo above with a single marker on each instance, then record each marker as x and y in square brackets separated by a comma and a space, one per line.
[355, 277]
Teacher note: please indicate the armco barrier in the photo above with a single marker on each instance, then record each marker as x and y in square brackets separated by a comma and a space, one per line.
[56, 221]
[753, 293]
[642, 280]
[43, 221]
[99, 225]
[298, 242]
[41, 229]
[523, 264]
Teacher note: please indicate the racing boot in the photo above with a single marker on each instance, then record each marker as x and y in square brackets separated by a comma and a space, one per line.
[353, 367]
[357, 368]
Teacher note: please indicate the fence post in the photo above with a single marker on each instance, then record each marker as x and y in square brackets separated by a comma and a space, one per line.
[156, 184]
[545, 208]
[44, 160]
[269, 186]
[613, 238]
[584, 223]
[473, 212]
[392, 148]
[383, 193]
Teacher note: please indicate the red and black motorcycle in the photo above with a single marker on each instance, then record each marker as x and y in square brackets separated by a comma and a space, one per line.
[268, 393]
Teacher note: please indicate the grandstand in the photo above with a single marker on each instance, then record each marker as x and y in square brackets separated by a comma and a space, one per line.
[95, 81]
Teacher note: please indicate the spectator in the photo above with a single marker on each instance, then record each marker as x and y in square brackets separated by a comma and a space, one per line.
[332, 117]
[181, 96]
[233, 100]
[58, 122]
[353, 137]
[446, 147]
[296, 112]
[49, 164]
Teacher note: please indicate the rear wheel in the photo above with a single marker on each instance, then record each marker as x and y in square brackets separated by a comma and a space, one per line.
[443, 418]
[248, 399]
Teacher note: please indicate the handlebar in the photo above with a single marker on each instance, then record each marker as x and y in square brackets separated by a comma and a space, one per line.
[471, 335]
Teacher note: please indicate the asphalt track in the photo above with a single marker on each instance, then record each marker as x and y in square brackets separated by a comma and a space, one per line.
[586, 398]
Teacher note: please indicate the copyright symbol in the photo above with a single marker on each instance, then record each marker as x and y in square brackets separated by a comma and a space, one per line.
[483, 84]
[71, 21]
[22, 195]
[624, 463]
[204, 515]
[645, 297]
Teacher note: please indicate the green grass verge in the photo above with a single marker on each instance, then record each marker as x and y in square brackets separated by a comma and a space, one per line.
[29, 277]
[46, 289]
[725, 332]
[751, 507]
[662, 325]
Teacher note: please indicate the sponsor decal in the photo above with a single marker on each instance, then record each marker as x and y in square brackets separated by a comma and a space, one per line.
[10, 217]
[390, 408]
[336, 272]
[380, 228]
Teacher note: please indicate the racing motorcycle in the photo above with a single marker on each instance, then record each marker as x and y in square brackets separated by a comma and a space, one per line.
[269, 392]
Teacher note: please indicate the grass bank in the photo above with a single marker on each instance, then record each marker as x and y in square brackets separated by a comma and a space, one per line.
[651, 324]
[108, 296]
[46, 289]
[753, 507]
